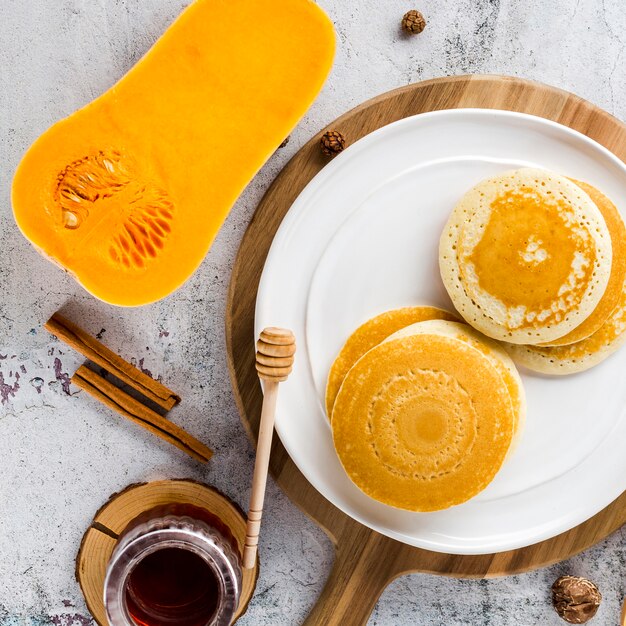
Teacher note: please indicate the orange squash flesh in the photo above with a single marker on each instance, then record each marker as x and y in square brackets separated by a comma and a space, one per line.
[129, 192]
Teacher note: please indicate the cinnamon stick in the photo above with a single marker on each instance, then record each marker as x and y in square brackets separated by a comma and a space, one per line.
[88, 346]
[126, 405]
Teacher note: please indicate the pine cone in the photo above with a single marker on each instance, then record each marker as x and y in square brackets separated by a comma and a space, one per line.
[413, 22]
[332, 142]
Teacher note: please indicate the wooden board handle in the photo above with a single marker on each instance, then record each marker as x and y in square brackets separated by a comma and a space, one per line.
[360, 574]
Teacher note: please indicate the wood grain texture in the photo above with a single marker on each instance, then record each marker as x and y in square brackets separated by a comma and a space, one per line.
[100, 539]
[366, 561]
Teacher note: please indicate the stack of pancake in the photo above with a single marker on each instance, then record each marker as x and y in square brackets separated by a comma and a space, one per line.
[425, 409]
[538, 261]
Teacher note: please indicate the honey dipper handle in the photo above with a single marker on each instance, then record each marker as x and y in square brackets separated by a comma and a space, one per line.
[274, 359]
[264, 446]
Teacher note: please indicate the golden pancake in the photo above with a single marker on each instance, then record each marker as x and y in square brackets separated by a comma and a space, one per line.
[580, 356]
[489, 348]
[422, 422]
[370, 334]
[611, 297]
[525, 256]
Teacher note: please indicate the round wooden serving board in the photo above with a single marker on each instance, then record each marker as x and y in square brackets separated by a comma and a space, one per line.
[366, 561]
[123, 507]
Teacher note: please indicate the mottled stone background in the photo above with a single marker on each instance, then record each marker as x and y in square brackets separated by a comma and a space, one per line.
[61, 455]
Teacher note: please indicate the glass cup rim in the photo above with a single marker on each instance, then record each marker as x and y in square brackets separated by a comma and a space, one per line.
[195, 536]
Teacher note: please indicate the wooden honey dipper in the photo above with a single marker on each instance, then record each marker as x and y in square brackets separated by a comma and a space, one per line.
[274, 360]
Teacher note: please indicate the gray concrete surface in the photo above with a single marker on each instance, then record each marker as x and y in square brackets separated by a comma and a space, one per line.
[61, 455]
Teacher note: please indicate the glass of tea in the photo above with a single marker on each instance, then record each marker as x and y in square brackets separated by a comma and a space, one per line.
[175, 564]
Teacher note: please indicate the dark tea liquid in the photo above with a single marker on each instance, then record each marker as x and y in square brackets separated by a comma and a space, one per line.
[172, 586]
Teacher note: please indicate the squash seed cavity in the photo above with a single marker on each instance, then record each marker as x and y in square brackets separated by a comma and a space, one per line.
[137, 214]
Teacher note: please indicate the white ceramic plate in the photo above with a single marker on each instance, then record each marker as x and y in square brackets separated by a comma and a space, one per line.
[362, 238]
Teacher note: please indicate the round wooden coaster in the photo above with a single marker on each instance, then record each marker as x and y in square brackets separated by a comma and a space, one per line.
[99, 540]
[366, 561]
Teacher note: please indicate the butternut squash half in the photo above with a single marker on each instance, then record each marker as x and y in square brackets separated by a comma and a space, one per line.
[129, 192]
